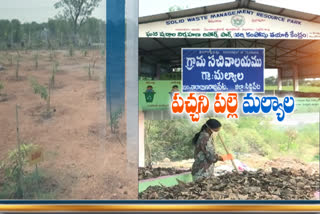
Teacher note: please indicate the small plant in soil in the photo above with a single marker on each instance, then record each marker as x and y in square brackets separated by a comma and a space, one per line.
[103, 52]
[10, 59]
[71, 50]
[94, 60]
[89, 72]
[85, 52]
[91, 67]
[56, 65]
[3, 96]
[17, 67]
[43, 92]
[13, 170]
[1, 87]
[36, 58]
[54, 71]
[51, 56]
[114, 121]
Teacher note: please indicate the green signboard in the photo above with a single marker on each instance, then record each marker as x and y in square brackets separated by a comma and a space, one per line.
[156, 95]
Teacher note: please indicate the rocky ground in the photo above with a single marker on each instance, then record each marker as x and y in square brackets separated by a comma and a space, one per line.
[149, 172]
[283, 184]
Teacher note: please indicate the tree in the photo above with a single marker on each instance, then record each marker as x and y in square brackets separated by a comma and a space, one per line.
[177, 8]
[16, 30]
[42, 91]
[5, 32]
[91, 30]
[77, 11]
[270, 80]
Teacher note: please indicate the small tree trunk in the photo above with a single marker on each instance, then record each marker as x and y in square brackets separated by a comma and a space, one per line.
[11, 39]
[75, 31]
[49, 94]
[89, 71]
[17, 69]
[61, 39]
[36, 59]
[29, 40]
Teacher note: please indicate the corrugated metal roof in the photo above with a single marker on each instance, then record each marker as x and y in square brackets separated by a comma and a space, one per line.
[279, 53]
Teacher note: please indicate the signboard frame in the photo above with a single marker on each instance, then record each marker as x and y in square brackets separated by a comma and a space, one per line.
[234, 91]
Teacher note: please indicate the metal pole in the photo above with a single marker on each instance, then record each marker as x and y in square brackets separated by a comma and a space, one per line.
[20, 189]
[225, 148]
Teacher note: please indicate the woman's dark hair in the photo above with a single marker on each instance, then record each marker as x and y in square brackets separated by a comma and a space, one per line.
[212, 123]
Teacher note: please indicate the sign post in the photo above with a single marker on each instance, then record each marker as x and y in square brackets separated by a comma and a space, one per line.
[35, 157]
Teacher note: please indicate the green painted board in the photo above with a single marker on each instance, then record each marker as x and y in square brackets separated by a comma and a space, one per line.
[165, 180]
[156, 94]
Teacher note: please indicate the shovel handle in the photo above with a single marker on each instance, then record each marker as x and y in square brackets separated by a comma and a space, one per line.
[225, 148]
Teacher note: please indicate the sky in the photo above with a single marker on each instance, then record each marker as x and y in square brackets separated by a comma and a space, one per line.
[149, 7]
[41, 10]
[37, 10]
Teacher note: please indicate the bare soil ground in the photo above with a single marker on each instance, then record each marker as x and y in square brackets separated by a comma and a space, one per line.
[81, 157]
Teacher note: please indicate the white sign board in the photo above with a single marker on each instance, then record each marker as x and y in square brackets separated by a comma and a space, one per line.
[235, 24]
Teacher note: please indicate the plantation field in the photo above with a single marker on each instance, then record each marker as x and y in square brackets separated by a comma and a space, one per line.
[81, 158]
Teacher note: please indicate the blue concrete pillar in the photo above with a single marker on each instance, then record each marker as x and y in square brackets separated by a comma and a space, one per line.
[115, 77]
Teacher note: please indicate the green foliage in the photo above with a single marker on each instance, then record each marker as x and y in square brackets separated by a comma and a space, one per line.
[10, 59]
[36, 58]
[34, 186]
[71, 50]
[270, 80]
[56, 66]
[89, 72]
[17, 32]
[39, 89]
[316, 157]
[77, 11]
[12, 170]
[170, 138]
[256, 135]
[59, 34]
[85, 52]
[308, 134]
[114, 120]
[1, 86]
[52, 55]
[54, 71]
[315, 83]
[177, 8]
[17, 66]
[11, 164]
